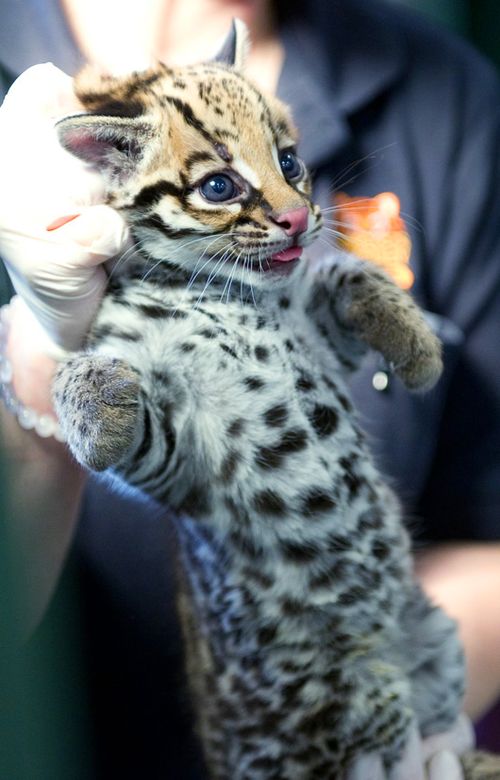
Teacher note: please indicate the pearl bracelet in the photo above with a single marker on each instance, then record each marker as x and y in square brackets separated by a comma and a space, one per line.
[43, 424]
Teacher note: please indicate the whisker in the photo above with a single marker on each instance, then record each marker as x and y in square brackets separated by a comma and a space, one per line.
[232, 276]
[338, 182]
[214, 272]
[353, 205]
[211, 237]
[242, 277]
[248, 271]
[228, 280]
[339, 222]
[175, 250]
[196, 273]
[329, 244]
[335, 233]
[407, 218]
[149, 257]
[150, 270]
[123, 257]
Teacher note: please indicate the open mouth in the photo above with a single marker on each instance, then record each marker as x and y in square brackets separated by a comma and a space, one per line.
[283, 262]
[292, 253]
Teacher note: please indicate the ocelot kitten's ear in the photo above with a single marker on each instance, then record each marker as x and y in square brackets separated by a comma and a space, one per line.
[112, 145]
[234, 50]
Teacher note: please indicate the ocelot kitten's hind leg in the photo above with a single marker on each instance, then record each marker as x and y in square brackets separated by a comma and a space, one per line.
[480, 766]
[432, 656]
[97, 400]
[381, 713]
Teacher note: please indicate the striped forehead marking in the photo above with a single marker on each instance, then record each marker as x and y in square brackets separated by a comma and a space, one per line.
[247, 172]
[223, 151]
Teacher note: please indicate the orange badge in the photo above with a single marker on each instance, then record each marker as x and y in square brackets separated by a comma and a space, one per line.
[373, 229]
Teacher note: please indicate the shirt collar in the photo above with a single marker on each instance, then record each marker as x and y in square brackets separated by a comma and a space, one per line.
[306, 86]
[346, 56]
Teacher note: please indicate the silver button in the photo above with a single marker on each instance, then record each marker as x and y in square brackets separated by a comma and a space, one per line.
[380, 381]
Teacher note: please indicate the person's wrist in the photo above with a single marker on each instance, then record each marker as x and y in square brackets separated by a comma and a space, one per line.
[26, 371]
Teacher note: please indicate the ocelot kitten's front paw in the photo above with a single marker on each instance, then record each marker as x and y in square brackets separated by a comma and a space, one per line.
[420, 365]
[389, 321]
[96, 399]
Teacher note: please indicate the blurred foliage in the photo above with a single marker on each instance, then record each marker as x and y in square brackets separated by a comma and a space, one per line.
[477, 20]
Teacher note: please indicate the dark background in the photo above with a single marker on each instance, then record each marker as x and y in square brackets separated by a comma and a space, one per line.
[477, 20]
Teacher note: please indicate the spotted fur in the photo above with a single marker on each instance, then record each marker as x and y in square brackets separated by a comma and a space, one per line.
[214, 380]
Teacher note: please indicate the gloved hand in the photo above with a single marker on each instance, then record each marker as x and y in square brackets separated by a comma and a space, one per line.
[434, 758]
[54, 235]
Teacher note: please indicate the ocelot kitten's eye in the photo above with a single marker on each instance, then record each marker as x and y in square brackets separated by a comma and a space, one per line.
[290, 165]
[218, 188]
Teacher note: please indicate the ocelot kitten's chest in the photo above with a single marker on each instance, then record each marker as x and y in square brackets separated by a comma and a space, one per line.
[272, 348]
[250, 373]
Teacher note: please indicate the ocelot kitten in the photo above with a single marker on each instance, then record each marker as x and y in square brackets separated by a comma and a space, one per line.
[214, 380]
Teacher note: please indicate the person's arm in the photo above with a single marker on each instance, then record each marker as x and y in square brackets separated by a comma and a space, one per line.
[464, 579]
[45, 483]
[56, 265]
[45, 487]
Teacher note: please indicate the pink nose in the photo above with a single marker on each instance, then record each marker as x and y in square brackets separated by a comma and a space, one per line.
[293, 222]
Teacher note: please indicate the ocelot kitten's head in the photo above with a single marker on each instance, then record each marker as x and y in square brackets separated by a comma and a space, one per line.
[202, 165]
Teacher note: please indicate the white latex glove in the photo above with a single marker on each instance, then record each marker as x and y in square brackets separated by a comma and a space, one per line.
[58, 272]
[434, 758]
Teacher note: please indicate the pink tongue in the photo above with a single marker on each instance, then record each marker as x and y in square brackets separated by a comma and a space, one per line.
[292, 253]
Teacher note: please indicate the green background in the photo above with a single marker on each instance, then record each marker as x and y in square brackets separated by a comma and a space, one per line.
[477, 20]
